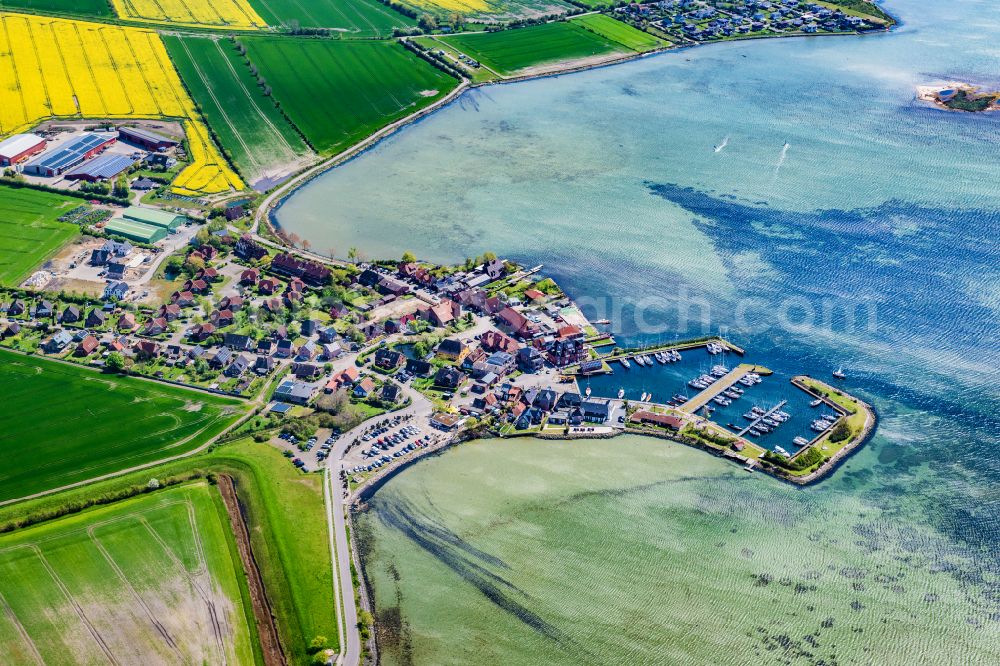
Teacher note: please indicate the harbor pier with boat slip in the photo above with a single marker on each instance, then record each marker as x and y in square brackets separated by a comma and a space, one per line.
[724, 383]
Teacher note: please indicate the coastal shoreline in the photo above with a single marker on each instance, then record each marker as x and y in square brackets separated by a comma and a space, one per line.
[272, 203]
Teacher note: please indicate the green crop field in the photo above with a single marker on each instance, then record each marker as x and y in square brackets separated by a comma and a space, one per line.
[155, 579]
[250, 127]
[508, 51]
[358, 18]
[66, 423]
[621, 33]
[72, 7]
[285, 511]
[340, 91]
[29, 232]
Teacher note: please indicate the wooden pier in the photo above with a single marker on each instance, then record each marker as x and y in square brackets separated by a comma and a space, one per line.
[723, 383]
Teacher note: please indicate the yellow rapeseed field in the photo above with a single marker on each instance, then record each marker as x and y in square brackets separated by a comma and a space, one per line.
[60, 67]
[231, 14]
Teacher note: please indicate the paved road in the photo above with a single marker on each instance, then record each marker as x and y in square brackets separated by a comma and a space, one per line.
[347, 611]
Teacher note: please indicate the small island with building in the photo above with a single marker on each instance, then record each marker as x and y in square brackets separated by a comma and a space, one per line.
[960, 97]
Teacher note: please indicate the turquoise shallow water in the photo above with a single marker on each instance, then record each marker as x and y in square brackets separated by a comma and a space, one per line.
[842, 223]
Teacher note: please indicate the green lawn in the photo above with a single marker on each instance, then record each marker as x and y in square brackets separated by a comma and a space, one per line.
[340, 91]
[131, 575]
[29, 230]
[356, 18]
[73, 7]
[509, 51]
[285, 513]
[68, 423]
[621, 33]
[252, 130]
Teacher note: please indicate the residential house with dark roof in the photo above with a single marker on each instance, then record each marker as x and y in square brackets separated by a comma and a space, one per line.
[12, 329]
[283, 349]
[239, 365]
[306, 370]
[238, 342]
[546, 400]
[44, 309]
[418, 367]
[95, 318]
[530, 359]
[222, 357]
[596, 410]
[70, 315]
[449, 377]
[390, 392]
[263, 365]
[248, 249]
[389, 359]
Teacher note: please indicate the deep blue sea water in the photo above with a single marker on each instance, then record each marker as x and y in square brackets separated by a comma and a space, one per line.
[843, 223]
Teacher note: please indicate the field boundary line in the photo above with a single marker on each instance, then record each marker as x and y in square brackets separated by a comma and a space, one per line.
[25, 636]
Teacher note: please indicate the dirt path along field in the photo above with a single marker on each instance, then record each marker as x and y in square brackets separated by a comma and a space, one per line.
[269, 642]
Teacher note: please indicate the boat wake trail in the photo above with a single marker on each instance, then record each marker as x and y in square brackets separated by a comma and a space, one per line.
[781, 158]
[725, 142]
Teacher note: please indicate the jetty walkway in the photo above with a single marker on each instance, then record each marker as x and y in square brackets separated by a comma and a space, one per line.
[723, 383]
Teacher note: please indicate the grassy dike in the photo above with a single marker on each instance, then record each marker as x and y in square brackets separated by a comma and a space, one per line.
[285, 514]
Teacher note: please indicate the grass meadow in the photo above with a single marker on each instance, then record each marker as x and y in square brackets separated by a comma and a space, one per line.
[618, 32]
[66, 423]
[508, 52]
[339, 91]
[29, 230]
[284, 510]
[248, 124]
[153, 579]
[356, 18]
